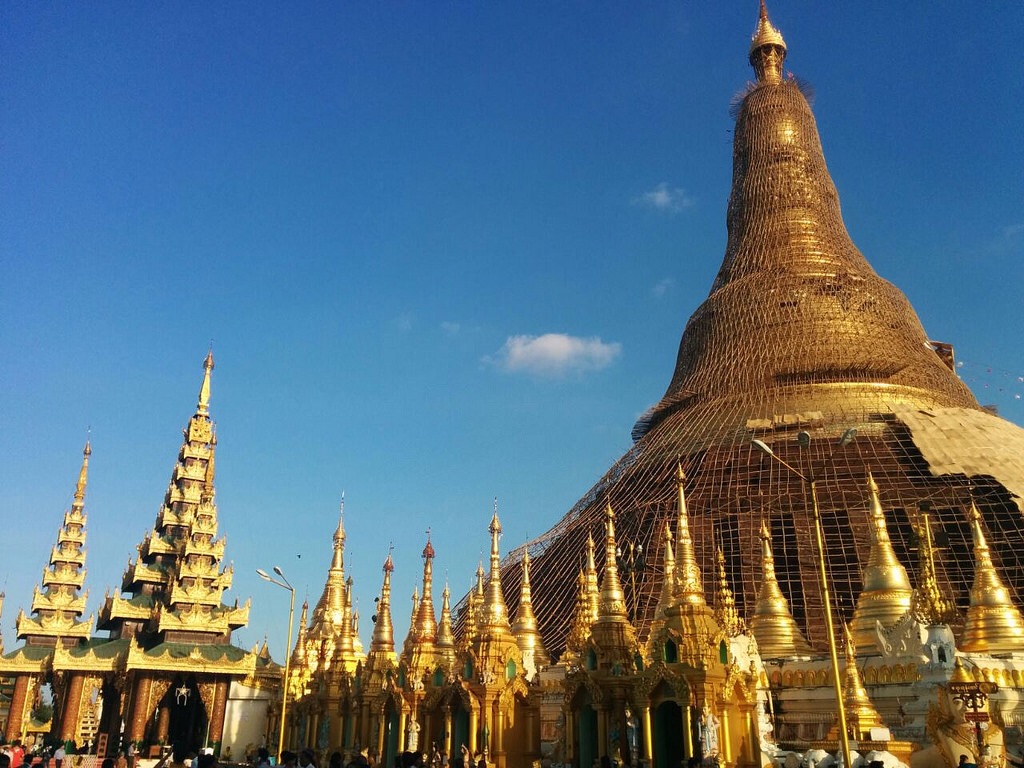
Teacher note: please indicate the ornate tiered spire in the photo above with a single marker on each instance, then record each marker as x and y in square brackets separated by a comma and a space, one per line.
[861, 715]
[418, 652]
[474, 608]
[689, 585]
[579, 630]
[494, 620]
[885, 598]
[613, 635]
[667, 600]
[528, 638]
[383, 641]
[300, 657]
[425, 619]
[178, 567]
[58, 607]
[767, 49]
[773, 625]
[445, 634]
[590, 577]
[993, 624]
[725, 604]
[929, 604]
[330, 630]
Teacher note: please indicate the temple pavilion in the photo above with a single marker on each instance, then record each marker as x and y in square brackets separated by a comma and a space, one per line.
[162, 672]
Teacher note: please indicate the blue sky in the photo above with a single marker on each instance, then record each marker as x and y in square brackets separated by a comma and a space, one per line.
[444, 251]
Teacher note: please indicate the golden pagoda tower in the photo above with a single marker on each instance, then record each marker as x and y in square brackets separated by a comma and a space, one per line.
[689, 584]
[474, 607]
[579, 630]
[382, 643]
[612, 634]
[994, 623]
[861, 715]
[885, 598]
[178, 565]
[590, 575]
[420, 652]
[445, 633]
[725, 604]
[773, 626]
[798, 334]
[535, 655]
[667, 599]
[299, 668]
[58, 607]
[377, 679]
[929, 603]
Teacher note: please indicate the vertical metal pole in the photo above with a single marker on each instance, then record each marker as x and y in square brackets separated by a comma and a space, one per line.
[844, 739]
[284, 684]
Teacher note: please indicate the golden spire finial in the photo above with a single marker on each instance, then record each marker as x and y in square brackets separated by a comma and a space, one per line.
[667, 599]
[885, 598]
[612, 604]
[725, 610]
[579, 630]
[495, 612]
[929, 604]
[689, 584]
[338, 560]
[383, 641]
[83, 476]
[299, 652]
[524, 628]
[445, 634]
[861, 715]
[773, 626]
[767, 49]
[203, 406]
[590, 574]
[994, 624]
[424, 620]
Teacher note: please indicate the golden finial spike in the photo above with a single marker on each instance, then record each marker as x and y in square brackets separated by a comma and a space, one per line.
[773, 626]
[725, 611]
[579, 630]
[83, 475]
[994, 624]
[886, 595]
[524, 628]
[929, 604]
[593, 593]
[495, 612]
[383, 642]
[689, 583]
[203, 406]
[861, 715]
[445, 634]
[767, 49]
[612, 605]
[425, 621]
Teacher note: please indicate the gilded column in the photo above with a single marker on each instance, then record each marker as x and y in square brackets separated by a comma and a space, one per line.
[602, 732]
[163, 723]
[16, 713]
[403, 722]
[499, 740]
[140, 708]
[449, 737]
[726, 741]
[570, 735]
[72, 708]
[220, 702]
[380, 735]
[428, 738]
[688, 729]
[647, 747]
[474, 725]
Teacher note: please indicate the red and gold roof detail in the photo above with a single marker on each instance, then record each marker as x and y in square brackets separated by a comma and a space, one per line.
[57, 606]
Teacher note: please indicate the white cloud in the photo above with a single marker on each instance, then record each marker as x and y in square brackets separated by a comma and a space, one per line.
[662, 287]
[554, 354]
[450, 328]
[664, 198]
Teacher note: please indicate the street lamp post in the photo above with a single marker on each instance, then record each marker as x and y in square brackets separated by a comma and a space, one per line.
[812, 484]
[283, 583]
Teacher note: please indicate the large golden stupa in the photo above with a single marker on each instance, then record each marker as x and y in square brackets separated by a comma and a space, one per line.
[799, 342]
